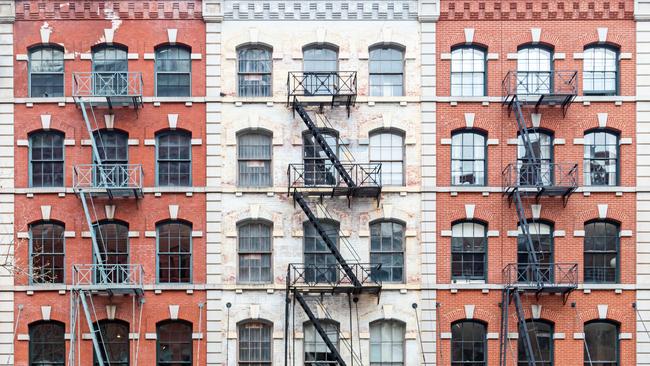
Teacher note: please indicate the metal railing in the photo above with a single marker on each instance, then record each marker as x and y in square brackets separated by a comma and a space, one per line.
[541, 174]
[108, 275]
[323, 174]
[537, 83]
[315, 83]
[551, 275]
[107, 84]
[331, 275]
[107, 176]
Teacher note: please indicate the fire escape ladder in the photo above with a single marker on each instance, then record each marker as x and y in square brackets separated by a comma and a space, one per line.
[523, 329]
[331, 155]
[95, 332]
[304, 205]
[319, 328]
[524, 131]
[91, 127]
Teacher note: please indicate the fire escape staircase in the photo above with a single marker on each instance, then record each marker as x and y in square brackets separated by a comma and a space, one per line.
[531, 177]
[347, 275]
[100, 179]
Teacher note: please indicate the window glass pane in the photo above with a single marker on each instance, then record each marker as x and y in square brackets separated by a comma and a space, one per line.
[174, 252]
[534, 70]
[601, 159]
[318, 168]
[320, 263]
[541, 336]
[316, 351]
[47, 253]
[386, 67]
[174, 343]
[255, 344]
[601, 344]
[254, 241]
[387, 251]
[600, 70]
[318, 64]
[387, 148]
[468, 249]
[115, 345]
[110, 59]
[174, 159]
[468, 159]
[46, 72]
[47, 343]
[46, 155]
[254, 68]
[387, 343]
[601, 252]
[542, 243]
[468, 344]
[537, 173]
[254, 152]
[468, 72]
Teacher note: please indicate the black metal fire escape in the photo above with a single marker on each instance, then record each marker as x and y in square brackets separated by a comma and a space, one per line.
[347, 276]
[532, 177]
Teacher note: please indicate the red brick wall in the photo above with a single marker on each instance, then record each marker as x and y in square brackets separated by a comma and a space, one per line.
[141, 28]
[567, 27]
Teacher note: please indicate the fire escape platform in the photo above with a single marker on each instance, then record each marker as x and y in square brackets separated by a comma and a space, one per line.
[108, 89]
[109, 279]
[541, 88]
[109, 180]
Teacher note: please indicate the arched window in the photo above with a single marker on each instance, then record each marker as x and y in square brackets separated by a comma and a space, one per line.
[173, 71]
[601, 251]
[46, 71]
[542, 236]
[468, 158]
[468, 71]
[601, 158]
[318, 168]
[468, 343]
[46, 156]
[174, 343]
[113, 240]
[254, 154]
[115, 342]
[320, 62]
[387, 343]
[255, 343]
[600, 70]
[110, 67]
[174, 252]
[541, 335]
[535, 173]
[174, 158]
[255, 251]
[468, 251]
[387, 250]
[386, 66]
[320, 263]
[316, 351]
[601, 343]
[387, 148]
[110, 58]
[47, 252]
[47, 343]
[255, 67]
[534, 67]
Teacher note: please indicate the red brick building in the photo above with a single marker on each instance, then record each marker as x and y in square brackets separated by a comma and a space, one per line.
[568, 67]
[135, 69]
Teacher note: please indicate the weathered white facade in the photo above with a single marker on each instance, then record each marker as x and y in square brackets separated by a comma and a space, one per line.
[352, 27]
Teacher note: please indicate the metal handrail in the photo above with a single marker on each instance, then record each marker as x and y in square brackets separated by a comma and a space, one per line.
[107, 176]
[540, 174]
[554, 274]
[109, 275]
[535, 83]
[324, 175]
[320, 83]
[107, 84]
[331, 275]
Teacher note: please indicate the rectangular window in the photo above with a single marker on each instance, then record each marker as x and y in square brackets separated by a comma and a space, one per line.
[468, 159]
[255, 253]
[174, 253]
[46, 155]
[254, 154]
[320, 263]
[601, 158]
[254, 72]
[47, 253]
[468, 72]
[46, 72]
[468, 251]
[255, 344]
[387, 343]
[386, 72]
[174, 159]
[173, 71]
[387, 250]
[387, 148]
